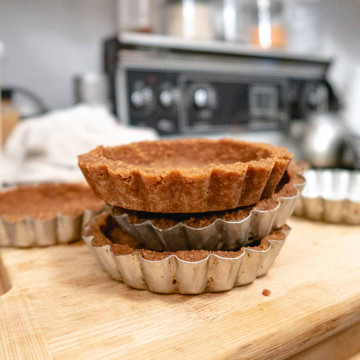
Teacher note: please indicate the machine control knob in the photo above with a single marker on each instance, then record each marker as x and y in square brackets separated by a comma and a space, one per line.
[204, 97]
[166, 98]
[166, 126]
[142, 97]
[137, 99]
[201, 98]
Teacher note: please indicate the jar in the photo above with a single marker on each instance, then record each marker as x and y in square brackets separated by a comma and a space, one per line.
[138, 15]
[304, 31]
[9, 115]
[189, 19]
[268, 24]
[231, 19]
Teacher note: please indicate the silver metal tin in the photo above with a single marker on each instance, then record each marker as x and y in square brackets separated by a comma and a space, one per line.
[221, 234]
[173, 275]
[29, 232]
[332, 196]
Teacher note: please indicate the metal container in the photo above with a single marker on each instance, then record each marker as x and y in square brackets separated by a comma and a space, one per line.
[221, 234]
[139, 15]
[323, 143]
[29, 232]
[173, 275]
[92, 89]
[189, 19]
[332, 196]
[231, 20]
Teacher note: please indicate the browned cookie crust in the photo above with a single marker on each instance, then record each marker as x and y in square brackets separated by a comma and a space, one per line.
[185, 176]
[106, 232]
[45, 201]
[286, 188]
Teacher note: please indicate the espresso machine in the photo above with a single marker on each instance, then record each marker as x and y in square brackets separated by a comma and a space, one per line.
[193, 67]
[180, 87]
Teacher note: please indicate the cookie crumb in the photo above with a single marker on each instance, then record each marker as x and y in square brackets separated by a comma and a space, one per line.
[266, 292]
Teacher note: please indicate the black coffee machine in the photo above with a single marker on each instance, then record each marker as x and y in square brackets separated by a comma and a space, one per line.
[179, 87]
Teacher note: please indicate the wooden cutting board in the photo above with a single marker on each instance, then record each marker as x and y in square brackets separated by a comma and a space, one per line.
[63, 306]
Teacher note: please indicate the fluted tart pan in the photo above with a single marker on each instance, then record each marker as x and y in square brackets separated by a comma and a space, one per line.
[45, 214]
[184, 272]
[225, 230]
[332, 196]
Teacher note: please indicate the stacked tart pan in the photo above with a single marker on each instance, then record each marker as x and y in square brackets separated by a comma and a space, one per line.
[192, 215]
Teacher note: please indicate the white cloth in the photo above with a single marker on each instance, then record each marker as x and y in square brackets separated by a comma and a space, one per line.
[46, 148]
[352, 102]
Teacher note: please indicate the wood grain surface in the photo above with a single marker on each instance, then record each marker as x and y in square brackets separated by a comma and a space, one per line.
[61, 305]
[343, 345]
[4, 279]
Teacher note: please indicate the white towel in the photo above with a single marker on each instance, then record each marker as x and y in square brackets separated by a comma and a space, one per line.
[46, 148]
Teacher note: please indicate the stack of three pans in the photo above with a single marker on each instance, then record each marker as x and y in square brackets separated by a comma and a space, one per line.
[190, 216]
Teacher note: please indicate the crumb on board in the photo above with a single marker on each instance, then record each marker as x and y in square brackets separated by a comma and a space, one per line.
[266, 292]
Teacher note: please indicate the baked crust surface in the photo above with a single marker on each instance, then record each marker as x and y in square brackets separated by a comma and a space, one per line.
[44, 201]
[185, 176]
[286, 188]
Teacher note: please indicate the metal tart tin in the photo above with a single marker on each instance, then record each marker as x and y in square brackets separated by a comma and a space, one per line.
[173, 275]
[332, 196]
[29, 232]
[220, 234]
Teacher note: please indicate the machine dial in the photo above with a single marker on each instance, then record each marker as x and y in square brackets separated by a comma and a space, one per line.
[137, 99]
[201, 98]
[204, 97]
[165, 126]
[142, 97]
[166, 98]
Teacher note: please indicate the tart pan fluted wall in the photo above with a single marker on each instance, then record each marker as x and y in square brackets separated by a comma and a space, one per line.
[185, 272]
[213, 231]
[45, 214]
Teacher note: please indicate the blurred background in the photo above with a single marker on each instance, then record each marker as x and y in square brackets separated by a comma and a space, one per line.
[76, 74]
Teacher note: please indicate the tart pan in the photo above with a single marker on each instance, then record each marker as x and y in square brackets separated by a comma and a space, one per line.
[332, 196]
[29, 232]
[220, 234]
[174, 275]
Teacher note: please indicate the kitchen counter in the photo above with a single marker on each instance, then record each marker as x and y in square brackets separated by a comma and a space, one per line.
[62, 305]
